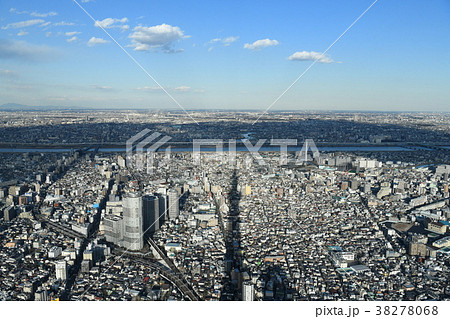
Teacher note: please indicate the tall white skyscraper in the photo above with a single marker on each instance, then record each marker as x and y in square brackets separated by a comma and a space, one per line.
[174, 204]
[248, 291]
[133, 221]
[61, 270]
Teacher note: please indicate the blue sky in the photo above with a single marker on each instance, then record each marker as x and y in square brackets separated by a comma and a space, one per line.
[227, 54]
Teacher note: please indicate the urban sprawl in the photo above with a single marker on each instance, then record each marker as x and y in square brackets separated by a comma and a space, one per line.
[365, 218]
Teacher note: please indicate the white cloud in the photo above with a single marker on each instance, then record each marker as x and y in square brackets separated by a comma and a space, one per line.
[72, 39]
[14, 10]
[22, 33]
[63, 23]
[72, 33]
[102, 87]
[182, 88]
[21, 50]
[43, 15]
[45, 24]
[310, 56]
[94, 41]
[225, 41]
[109, 23]
[34, 13]
[259, 44]
[159, 36]
[86, 1]
[23, 24]
[148, 88]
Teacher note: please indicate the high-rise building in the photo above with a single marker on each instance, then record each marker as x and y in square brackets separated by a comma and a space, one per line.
[248, 190]
[174, 204]
[163, 213]
[41, 295]
[113, 228]
[61, 270]
[417, 249]
[248, 291]
[85, 266]
[151, 214]
[121, 161]
[9, 213]
[206, 185]
[354, 184]
[133, 221]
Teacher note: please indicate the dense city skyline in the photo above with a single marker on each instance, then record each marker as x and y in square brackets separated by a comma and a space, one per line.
[364, 216]
[214, 55]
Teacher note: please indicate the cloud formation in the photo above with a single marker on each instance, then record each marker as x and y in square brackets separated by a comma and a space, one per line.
[34, 13]
[109, 23]
[148, 88]
[43, 15]
[182, 88]
[94, 41]
[23, 24]
[157, 37]
[102, 87]
[21, 50]
[14, 10]
[259, 44]
[72, 33]
[72, 39]
[225, 41]
[310, 56]
[63, 23]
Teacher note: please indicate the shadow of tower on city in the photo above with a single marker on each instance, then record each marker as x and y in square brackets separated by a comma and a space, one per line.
[233, 263]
